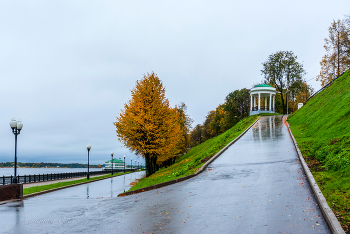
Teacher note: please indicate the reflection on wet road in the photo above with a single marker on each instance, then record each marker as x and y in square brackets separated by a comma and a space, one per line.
[256, 186]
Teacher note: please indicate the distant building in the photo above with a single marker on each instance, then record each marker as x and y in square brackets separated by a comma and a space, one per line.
[118, 164]
[262, 99]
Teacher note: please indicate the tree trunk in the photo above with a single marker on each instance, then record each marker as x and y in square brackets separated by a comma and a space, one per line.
[283, 105]
[148, 165]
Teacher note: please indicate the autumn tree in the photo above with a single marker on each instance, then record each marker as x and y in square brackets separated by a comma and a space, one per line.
[148, 125]
[237, 103]
[337, 57]
[208, 126]
[301, 96]
[185, 121]
[282, 69]
[196, 135]
[220, 121]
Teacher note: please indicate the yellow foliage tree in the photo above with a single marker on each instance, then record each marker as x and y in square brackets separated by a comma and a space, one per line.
[148, 125]
[301, 96]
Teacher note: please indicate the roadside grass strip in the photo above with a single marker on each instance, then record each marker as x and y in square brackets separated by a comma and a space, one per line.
[192, 161]
[41, 188]
[322, 131]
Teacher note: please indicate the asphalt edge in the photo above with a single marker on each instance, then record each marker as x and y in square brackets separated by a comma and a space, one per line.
[200, 170]
[327, 212]
[55, 189]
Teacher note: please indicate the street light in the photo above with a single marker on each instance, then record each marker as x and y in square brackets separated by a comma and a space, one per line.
[88, 149]
[124, 164]
[138, 165]
[131, 163]
[16, 129]
[112, 161]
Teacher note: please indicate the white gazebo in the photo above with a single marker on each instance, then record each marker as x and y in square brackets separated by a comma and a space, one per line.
[262, 92]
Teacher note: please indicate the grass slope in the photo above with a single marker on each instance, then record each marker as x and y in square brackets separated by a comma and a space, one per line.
[190, 162]
[322, 131]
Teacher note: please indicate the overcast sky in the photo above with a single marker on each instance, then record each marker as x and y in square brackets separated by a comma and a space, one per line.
[67, 67]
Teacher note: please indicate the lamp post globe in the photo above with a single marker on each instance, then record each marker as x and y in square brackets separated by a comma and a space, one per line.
[124, 164]
[88, 147]
[16, 127]
[112, 161]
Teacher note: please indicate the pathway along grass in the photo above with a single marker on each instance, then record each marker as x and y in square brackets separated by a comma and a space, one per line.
[40, 188]
[190, 162]
[322, 131]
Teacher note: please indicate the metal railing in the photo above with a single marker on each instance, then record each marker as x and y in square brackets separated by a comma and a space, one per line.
[53, 176]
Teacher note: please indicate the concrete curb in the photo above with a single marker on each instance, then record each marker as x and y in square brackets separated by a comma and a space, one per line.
[201, 169]
[331, 219]
[55, 189]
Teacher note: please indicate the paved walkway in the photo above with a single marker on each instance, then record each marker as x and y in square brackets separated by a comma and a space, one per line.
[256, 186]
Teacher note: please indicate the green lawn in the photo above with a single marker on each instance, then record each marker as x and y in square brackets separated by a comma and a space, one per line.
[322, 131]
[41, 188]
[190, 162]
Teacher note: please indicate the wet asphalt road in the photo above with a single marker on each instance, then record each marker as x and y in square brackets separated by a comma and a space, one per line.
[256, 186]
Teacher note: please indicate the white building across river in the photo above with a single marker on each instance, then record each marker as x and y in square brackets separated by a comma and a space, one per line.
[117, 164]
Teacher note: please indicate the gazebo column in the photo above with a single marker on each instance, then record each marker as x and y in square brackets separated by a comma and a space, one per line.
[251, 102]
[265, 103]
[259, 103]
[274, 103]
[254, 101]
[270, 102]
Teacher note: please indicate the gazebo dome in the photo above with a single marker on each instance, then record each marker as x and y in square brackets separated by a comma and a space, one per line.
[262, 85]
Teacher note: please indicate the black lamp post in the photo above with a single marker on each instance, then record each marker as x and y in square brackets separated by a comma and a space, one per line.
[131, 163]
[16, 129]
[138, 165]
[88, 149]
[124, 164]
[112, 161]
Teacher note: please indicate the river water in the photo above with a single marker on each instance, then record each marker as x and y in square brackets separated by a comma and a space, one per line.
[32, 171]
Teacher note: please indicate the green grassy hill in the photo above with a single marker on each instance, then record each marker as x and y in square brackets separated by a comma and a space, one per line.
[190, 162]
[322, 131]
